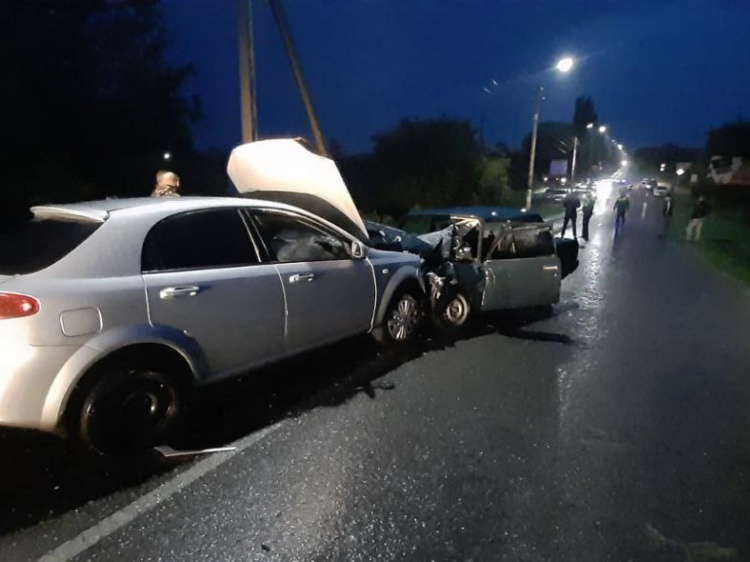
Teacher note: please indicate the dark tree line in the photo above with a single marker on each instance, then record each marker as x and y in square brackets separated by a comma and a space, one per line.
[89, 105]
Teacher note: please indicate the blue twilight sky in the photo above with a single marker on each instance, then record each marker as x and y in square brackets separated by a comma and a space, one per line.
[658, 71]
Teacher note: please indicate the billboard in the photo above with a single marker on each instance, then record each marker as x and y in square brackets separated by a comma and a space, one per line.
[558, 168]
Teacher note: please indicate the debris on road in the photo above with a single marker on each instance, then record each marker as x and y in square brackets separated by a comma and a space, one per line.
[169, 453]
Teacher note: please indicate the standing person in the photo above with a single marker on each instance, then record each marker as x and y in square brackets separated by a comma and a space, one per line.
[167, 184]
[621, 207]
[666, 212]
[571, 202]
[701, 209]
[588, 210]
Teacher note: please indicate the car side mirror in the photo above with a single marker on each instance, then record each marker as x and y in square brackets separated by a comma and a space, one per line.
[358, 250]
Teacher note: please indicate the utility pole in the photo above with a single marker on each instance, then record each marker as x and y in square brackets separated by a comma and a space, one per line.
[533, 146]
[281, 22]
[248, 105]
[573, 165]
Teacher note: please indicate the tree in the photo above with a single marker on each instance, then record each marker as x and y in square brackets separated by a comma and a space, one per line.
[554, 141]
[90, 103]
[730, 139]
[584, 114]
[430, 163]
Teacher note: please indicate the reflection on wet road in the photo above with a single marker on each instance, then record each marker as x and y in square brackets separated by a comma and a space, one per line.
[615, 429]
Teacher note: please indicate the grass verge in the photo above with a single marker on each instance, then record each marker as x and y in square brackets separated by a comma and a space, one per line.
[725, 240]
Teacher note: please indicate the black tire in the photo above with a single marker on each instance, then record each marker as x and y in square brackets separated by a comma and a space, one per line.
[403, 318]
[453, 313]
[126, 410]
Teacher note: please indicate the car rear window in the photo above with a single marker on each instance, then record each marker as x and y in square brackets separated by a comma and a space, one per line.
[33, 243]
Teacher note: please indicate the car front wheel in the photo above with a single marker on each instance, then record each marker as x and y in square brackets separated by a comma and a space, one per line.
[128, 410]
[453, 311]
[403, 318]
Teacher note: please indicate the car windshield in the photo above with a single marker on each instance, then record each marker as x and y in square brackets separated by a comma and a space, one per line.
[34, 243]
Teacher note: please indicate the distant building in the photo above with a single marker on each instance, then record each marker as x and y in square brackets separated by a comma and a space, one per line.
[729, 171]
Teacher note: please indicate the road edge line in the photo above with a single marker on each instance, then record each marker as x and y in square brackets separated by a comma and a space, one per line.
[122, 517]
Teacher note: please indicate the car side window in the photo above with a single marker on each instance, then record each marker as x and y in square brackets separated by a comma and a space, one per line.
[294, 239]
[210, 238]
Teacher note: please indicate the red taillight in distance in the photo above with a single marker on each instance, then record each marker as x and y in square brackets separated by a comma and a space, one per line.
[17, 306]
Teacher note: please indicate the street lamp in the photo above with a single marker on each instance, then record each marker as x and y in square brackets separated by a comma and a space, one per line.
[602, 129]
[564, 65]
[167, 156]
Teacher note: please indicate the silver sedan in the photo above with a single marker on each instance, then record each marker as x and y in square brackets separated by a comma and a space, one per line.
[110, 311]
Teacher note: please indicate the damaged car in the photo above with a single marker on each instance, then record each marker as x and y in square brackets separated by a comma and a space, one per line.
[112, 312]
[483, 259]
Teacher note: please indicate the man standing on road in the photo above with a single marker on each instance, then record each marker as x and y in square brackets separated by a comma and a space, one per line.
[588, 210]
[666, 212]
[571, 202]
[621, 207]
[701, 209]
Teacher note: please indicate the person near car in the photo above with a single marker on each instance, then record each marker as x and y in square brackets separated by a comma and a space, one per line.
[587, 211]
[167, 184]
[571, 203]
[701, 210]
[666, 212]
[622, 205]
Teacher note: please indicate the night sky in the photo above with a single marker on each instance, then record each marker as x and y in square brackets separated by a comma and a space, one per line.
[658, 71]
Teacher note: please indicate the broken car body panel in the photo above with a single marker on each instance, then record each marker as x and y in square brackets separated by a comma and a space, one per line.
[501, 258]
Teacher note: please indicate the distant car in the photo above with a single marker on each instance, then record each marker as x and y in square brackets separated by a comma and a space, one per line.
[648, 184]
[501, 258]
[660, 191]
[556, 194]
[112, 311]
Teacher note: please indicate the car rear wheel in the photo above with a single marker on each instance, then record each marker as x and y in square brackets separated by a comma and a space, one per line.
[128, 410]
[403, 318]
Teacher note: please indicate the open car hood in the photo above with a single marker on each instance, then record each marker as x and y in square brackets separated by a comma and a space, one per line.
[284, 170]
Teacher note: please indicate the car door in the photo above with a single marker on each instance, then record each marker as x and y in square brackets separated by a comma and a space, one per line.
[522, 270]
[204, 277]
[329, 293]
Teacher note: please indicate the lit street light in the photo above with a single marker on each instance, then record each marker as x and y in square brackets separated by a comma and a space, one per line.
[167, 156]
[564, 65]
[602, 128]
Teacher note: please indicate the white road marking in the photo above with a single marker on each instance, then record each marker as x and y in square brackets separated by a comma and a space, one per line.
[91, 536]
[645, 205]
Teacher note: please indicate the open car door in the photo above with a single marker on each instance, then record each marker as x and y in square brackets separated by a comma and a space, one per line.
[521, 268]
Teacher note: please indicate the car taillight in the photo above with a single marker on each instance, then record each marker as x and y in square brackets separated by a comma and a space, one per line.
[17, 306]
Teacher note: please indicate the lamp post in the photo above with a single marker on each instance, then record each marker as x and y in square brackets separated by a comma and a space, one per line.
[563, 65]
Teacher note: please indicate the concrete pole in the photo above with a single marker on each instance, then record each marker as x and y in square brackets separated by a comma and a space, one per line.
[248, 105]
[573, 165]
[281, 22]
[532, 156]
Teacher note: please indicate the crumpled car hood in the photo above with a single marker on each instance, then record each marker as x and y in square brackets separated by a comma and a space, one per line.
[284, 170]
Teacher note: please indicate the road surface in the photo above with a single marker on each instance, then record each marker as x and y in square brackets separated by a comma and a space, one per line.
[616, 429]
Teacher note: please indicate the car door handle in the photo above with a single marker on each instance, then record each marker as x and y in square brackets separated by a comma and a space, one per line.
[549, 268]
[173, 292]
[300, 277]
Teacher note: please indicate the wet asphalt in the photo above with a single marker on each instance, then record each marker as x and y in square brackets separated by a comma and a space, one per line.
[618, 428]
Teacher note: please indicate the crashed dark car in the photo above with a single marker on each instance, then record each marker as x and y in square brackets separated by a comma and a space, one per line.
[483, 259]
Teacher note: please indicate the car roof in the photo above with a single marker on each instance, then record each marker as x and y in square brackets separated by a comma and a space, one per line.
[102, 209]
[486, 213]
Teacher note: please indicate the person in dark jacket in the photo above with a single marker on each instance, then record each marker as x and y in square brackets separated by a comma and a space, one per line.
[701, 210]
[588, 210]
[666, 212]
[571, 202]
[622, 205]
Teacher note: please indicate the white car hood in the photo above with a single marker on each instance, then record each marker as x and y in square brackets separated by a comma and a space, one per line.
[284, 170]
